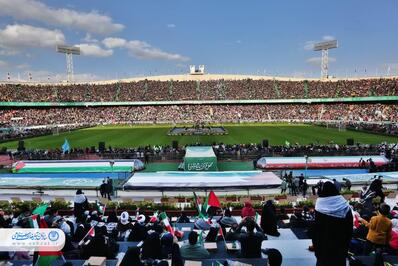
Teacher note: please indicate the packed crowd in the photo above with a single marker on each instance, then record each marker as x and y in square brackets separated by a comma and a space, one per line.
[336, 228]
[23, 117]
[148, 90]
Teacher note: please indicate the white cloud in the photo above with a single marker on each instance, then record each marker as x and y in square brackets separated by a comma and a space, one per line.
[317, 60]
[23, 66]
[94, 50]
[328, 38]
[171, 25]
[17, 36]
[114, 42]
[309, 45]
[89, 39]
[34, 10]
[3, 64]
[142, 50]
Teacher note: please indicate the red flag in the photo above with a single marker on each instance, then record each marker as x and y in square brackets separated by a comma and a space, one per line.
[220, 232]
[213, 200]
[91, 232]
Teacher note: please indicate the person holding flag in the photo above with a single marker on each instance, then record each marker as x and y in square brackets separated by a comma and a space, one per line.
[65, 147]
[43, 258]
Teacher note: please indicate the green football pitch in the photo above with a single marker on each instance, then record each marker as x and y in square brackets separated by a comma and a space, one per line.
[134, 136]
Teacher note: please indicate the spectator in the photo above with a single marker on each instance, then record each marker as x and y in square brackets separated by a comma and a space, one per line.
[103, 189]
[151, 248]
[80, 205]
[332, 228]
[194, 250]
[337, 184]
[347, 183]
[274, 257]
[304, 188]
[132, 257]
[247, 210]
[250, 241]
[379, 233]
[269, 220]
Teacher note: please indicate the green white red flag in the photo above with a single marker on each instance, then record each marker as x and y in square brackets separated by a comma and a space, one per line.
[163, 217]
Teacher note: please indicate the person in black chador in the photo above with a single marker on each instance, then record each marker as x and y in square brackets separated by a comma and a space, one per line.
[269, 220]
[333, 226]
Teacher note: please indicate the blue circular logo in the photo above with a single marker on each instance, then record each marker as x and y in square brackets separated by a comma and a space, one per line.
[53, 235]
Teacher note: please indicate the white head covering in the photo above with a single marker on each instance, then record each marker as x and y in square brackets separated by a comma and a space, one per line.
[124, 218]
[141, 218]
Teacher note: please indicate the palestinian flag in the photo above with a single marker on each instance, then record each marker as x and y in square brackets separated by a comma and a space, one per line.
[163, 217]
[197, 202]
[46, 258]
[34, 221]
[90, 232]
[211, 201]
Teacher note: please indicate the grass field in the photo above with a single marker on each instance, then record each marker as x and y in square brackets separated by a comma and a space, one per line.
[134, 136]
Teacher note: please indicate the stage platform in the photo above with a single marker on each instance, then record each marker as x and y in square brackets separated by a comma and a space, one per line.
[162, 181]
[388, 177]
[77, 166]
[317, 162]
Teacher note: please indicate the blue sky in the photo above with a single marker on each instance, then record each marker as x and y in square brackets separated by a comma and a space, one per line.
[135, 38]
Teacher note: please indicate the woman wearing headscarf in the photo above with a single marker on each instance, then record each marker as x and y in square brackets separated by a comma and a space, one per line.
[332, 227]
[80, 205]
[248, 210]
[374, 190]
[132, 257]
[268, 219]
[151, 248]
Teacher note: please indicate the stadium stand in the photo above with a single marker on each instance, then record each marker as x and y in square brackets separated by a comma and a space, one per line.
[245, 89]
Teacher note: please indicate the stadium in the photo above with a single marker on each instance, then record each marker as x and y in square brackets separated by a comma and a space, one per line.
[190, 168]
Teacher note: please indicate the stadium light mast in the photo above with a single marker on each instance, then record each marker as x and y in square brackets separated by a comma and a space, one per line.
[68, 51]
[324, 47]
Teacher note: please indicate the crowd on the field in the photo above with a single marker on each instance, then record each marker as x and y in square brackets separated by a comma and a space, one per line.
[23, 117]
[148, 90]
[337, 229]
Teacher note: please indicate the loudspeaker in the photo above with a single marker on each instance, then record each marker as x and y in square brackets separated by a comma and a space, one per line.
[350, 142]
[174, 144]
[21, 145]
[265, 143]
[101, 146]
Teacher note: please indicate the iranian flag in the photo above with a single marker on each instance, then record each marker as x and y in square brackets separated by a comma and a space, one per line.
[257, 219]
[163, 217]
[211, 201]
[154, 217]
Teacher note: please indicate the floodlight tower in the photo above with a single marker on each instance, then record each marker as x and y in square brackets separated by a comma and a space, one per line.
[324, 47]
[68, 51]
